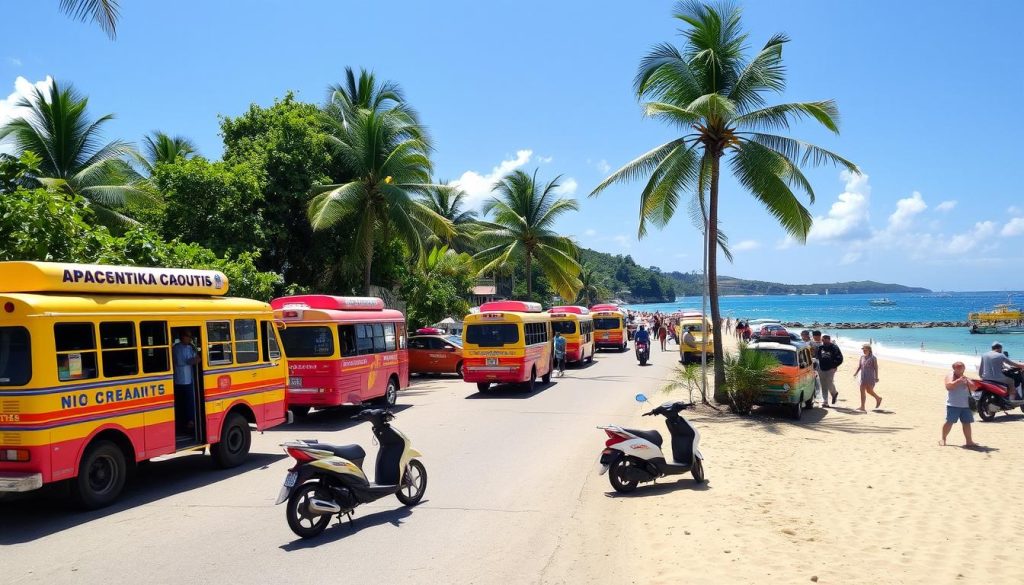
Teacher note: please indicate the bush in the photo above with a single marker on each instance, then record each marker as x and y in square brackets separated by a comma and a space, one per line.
[747, 373]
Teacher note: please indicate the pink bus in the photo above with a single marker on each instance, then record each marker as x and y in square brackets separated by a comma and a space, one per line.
[341, 351]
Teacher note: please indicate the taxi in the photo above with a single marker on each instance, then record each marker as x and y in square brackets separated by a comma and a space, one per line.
[702, 333]
[431, 351]
[796, 386]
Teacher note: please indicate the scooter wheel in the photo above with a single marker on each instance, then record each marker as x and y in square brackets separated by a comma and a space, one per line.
[414, 484]
[617, 476]
[698, 470]
[301, 520]
[984, 413]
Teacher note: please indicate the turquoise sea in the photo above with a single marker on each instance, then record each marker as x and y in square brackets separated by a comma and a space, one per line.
[912, 344]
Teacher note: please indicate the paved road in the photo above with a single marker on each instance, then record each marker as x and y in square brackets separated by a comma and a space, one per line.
[513, 497]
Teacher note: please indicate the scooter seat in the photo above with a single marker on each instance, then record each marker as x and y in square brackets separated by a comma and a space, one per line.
[350, 452]
[652, 436]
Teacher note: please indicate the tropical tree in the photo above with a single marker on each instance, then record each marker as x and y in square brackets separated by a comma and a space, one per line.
[524, 213]
[437, 287]
[385, 157]
[364, 92]
[711, 90]
[592, 286]
[102, 12]
[54, 124]
[449, 202]
[159, 147]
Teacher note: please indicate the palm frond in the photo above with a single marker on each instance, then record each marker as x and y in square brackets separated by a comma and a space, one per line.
[103, 12]
[638, 167]
[760, 173]
[780, 116]
[798, 150]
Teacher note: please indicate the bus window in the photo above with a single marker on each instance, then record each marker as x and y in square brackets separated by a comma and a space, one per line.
[364, 339]
[76, 351]
[271, 350]
[15, 356]
[120, 357]
[492, 334]
[306, 342]
[153, 335]
[218, 338]
[347, 334]
[537, 333]
[378, 338]
[564, 327]
[389, 337]
[607, 323]
[246, 342]
[401, 336]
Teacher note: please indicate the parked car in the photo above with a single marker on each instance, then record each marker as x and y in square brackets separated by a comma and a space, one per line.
[435, 354]
[702, 333]
[796, 371]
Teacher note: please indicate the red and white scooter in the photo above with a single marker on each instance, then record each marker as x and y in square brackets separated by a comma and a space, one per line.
[632, 456]
[994, 398]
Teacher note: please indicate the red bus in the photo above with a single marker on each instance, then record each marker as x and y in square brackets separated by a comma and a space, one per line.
[341, 351]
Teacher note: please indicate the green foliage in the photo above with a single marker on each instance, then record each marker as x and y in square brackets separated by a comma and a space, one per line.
[449, 202]
[688, 378]
[36, 224]
[621, 273]
[215, 205]
[103, 12]
[747, 373]
[17, 171]
[437, 287]
[160, 148]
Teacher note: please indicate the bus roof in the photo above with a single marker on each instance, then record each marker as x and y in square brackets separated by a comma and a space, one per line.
[510, 306]
[328, 302]
[574, 309]
[61, 277]
[55, 305]
[605, 308]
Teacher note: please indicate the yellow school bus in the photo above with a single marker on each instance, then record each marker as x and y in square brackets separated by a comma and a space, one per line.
[577, 326]
[507, 342]
[102, 367]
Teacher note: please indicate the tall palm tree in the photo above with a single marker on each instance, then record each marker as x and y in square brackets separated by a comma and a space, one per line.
[56, 126]
[386, 161]
[522, 230]
[102, 12]
[364, 92]
[160, 147]
[714, 93]
[592, 286]
[449, 202]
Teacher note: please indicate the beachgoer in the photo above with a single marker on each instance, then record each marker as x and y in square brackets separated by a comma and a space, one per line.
[805, 336]
[560, 353]
[991, 368]
[185, 356]
[642, 336]
[958, 407]
[868, 370]
[662, 333]
[816, 339]
[829, 358]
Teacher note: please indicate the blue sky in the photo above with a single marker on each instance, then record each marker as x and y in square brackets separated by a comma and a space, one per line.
[930, 95]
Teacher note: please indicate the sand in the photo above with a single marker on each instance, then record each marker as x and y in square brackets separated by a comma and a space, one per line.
[839, 497]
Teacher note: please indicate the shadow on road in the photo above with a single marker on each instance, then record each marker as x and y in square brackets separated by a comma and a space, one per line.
[50, 510]
[510, 391]
[343, 529]
[329, 419]
[686, 483]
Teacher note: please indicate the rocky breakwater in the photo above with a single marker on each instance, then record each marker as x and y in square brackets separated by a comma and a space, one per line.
[875, 325]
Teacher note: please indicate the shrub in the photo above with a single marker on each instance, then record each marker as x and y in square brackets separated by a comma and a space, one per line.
[747, 373]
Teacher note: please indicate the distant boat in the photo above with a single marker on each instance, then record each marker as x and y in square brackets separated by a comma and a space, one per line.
[882, 302]
[1004, 318]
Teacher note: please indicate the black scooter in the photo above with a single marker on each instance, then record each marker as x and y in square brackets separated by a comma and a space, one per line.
[643, 351]
[328, 480]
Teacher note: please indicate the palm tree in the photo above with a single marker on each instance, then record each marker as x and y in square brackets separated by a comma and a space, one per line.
[448, 201]
[55, 126]
[524, 216]
[713, 92]
[159, 147]
[103, 12]
[385, 158]
[366, 93]
[592, 286]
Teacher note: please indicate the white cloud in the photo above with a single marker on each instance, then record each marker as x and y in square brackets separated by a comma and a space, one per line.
[567, 186]
[785, 243]
[967, 241]
[746, 245]
[850, 258]
[603, 166]
[545, 159]
[945, 206]
[478, 187]
[14, 61]
[848, 216]
[590, 232]
[1015, 227]
[8, 107]
[906, 209]
[1014, 210]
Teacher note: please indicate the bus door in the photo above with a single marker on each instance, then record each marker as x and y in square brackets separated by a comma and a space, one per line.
[189, 405]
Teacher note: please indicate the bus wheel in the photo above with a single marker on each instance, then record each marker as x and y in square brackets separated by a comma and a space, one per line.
[532, 384]
[458, 369]
[483, 386]
[391, 393]
[299, 411]
[546, 378]
[235, 440]
[101, 475]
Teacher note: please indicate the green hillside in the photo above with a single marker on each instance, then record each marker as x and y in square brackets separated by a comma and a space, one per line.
[691, 283]
[620, 277]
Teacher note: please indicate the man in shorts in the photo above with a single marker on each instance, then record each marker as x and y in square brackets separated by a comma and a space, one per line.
[958, 407]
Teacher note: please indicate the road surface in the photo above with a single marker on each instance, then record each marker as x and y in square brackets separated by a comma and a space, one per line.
[513, 497]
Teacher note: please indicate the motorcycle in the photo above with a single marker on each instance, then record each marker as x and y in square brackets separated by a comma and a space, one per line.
[633, 456]
[643, 352]
[993, 397]
[328, 480]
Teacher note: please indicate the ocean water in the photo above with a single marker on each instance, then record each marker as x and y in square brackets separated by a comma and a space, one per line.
[930, 346]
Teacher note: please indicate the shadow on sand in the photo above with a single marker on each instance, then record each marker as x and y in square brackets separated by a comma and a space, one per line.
[339, 530]
[645, 490]
[511, 391]
[774, 419]
[329, 419]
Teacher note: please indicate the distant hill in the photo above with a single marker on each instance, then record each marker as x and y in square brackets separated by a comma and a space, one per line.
[692, 283]
[621, 277]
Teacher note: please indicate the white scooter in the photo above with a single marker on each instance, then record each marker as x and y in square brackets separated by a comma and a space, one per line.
[632, 456]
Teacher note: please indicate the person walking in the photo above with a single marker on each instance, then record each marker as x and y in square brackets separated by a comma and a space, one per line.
[958, 404]
[829, 359]
[560, 353]
[868, 370]
[662, 334]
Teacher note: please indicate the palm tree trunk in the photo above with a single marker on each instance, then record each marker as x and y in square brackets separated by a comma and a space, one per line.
[721, 394]
[366, 271]
[529, 278]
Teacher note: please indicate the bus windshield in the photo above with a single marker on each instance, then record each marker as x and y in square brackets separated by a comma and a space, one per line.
[564, 327]
[492, 334]
[306, 342]
[15, 360]
[784, 357]
[607, 323]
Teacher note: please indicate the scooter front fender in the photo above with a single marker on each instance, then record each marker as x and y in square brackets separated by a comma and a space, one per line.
[607, 458]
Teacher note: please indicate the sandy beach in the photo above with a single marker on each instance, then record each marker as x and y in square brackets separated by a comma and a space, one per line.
[838, 497]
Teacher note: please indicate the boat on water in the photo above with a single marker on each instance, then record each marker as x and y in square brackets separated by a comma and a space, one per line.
[882, 302]
[1003, 318]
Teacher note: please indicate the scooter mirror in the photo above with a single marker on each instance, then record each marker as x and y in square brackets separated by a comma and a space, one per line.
[640, 398]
